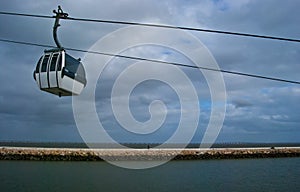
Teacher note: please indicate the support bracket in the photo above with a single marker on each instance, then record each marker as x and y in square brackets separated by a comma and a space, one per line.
[59, 15]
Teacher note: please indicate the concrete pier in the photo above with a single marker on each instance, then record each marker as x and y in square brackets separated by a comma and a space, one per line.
[67, 154]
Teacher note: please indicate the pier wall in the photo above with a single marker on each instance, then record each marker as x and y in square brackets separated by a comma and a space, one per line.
[59, 154]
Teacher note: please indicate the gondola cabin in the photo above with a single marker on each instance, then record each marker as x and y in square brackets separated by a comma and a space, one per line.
[60, 74]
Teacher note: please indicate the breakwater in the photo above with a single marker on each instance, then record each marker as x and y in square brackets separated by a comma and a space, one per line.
[64, 154]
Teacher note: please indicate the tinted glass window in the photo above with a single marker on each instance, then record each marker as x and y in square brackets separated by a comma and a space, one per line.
[44, 64]
[80, 71]
[53, 62]
[71, 64]
[37, 69]
[59, 63]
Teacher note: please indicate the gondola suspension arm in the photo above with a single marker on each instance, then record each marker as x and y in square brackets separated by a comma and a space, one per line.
[58, 72]
[59, 14]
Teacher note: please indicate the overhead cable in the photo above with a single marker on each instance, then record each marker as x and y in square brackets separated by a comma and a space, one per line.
[159, 26]
[157, 61]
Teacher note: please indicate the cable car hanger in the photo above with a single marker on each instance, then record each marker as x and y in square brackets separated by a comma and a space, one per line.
[56, 71]
[59, 14]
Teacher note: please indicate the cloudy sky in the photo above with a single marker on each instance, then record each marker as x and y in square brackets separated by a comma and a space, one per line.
[257, 110]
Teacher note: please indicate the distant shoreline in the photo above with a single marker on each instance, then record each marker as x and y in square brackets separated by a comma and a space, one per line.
[141, 145]
[86, 154]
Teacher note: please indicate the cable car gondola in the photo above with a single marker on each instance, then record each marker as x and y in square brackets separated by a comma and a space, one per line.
[59, 73]
[56, 71]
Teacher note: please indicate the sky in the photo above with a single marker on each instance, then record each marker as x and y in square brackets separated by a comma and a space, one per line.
[257, 110]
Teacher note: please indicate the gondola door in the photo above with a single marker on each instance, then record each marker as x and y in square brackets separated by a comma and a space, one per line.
[52, 70]
[44, 72]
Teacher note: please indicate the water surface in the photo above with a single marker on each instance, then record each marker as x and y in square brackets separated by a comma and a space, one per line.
[281, 174]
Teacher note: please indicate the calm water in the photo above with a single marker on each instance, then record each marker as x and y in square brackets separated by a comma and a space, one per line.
[214, 175]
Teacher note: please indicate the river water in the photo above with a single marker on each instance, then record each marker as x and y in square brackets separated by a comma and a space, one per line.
[281, 174]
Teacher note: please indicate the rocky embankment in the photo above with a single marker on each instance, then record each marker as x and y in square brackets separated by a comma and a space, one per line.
[58, 154]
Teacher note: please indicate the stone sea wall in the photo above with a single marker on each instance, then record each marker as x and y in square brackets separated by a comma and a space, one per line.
[59, 154]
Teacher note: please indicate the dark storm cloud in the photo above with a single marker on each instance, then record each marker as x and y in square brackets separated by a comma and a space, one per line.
[241, 103]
